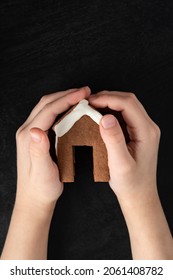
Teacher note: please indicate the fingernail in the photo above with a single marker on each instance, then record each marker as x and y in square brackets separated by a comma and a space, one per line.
[35, 137]
[108, 121]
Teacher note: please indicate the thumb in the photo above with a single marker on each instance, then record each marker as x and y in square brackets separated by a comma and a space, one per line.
[39, 152]
[113, 137]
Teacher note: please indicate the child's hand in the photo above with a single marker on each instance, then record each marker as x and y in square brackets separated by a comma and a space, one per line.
[133, 174]
[38, 184]
[38, 178]
[133, 165]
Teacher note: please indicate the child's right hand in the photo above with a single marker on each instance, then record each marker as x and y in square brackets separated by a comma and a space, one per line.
[132, 166]
[38, 176]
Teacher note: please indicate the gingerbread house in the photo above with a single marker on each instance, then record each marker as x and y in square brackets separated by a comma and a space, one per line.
[80, 127]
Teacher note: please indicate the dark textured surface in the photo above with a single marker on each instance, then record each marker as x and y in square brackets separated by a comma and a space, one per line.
[56, 45]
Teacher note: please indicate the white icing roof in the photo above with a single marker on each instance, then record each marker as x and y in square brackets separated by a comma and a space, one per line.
[79, 111]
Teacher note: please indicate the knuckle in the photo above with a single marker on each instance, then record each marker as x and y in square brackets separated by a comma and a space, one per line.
[35, 152]
[47, 106]
[44, 99]
[19, 134]
[131, 97]
[72, 98]
[103, 92]
[155, 131]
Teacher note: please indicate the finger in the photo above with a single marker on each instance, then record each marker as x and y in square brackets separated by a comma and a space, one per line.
[41, 162]
[48, 99]
[116, 93]
[43, 101]
[111, 92]
[45, 118]
[134, 114]
[113, 137]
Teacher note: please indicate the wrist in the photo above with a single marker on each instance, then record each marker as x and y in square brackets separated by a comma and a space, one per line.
[33, 208]
[28, 231]
[138, 201]
[149, 233]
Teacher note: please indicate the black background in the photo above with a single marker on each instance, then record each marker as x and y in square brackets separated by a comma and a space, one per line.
[48, 46]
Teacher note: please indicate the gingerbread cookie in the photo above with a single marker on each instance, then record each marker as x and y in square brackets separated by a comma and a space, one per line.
[80, 127]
